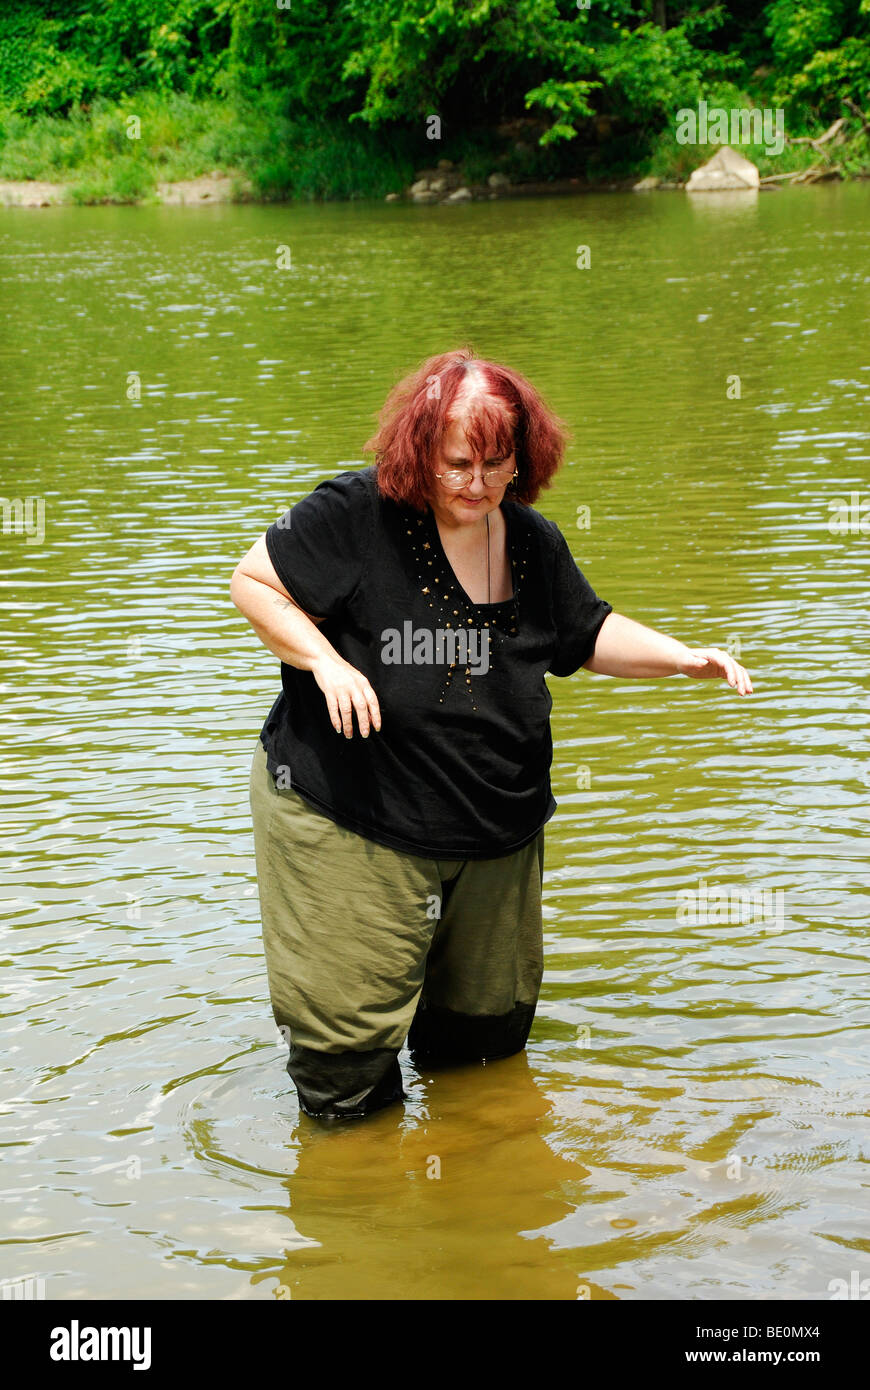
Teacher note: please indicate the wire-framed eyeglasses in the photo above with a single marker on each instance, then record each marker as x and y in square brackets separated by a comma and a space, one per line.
[457, 478]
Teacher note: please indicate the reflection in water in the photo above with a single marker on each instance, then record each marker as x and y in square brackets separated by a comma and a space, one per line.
[451, 1201]
[689, 1120]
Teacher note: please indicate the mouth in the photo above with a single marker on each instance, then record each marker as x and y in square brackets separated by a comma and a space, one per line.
[472, 501]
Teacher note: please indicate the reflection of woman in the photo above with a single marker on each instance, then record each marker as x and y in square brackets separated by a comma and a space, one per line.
[400, 866]
[401, 1235]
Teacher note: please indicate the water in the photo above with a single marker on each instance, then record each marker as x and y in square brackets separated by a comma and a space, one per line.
[690, 1117]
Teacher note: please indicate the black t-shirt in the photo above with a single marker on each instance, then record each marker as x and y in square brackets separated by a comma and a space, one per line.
[461, 766]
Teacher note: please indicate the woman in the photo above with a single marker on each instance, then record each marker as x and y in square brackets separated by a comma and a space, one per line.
[401, 784]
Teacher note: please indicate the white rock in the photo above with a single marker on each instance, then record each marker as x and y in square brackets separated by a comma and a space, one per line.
[461, 195]
[727, 169]
[499, 181]
[645, 185]
[421, 186]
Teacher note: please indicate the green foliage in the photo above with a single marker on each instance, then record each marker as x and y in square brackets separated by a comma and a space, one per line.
[332, 97]
[125, 181]
[568, 100]
[822, 51]
[655, 72]
[797, 29]
[326, 161]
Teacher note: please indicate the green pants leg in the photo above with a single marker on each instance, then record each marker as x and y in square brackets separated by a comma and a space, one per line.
[484, 968]
[364, 943]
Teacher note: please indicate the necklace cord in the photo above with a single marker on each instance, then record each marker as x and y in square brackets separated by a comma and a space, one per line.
[488, 588]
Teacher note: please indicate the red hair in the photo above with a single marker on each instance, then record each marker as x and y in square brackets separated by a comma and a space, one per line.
[505, 416]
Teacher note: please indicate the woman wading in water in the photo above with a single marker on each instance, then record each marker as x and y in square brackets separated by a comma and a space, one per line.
[401, 783]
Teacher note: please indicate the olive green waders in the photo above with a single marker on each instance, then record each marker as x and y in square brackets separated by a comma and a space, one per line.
[367, 947]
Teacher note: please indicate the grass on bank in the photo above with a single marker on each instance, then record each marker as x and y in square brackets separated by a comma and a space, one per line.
[91, 153]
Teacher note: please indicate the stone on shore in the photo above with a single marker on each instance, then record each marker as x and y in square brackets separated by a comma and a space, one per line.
[460, 195]
[646, 185]
[726, 170]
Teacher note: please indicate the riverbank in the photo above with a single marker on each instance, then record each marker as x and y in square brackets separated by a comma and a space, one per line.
[216, 187]
[233, 187]
[176, 150]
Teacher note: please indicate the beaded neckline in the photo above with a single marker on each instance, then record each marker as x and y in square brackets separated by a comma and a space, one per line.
[451, 605]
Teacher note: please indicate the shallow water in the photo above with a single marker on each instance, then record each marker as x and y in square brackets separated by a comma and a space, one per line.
[690, 1117]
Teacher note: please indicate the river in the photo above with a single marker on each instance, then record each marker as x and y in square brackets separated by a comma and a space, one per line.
[689, 1120]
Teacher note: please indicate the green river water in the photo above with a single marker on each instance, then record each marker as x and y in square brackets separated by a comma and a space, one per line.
[689, 1120]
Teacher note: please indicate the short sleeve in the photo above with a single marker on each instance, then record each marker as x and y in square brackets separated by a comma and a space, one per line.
[320, 547]
[578, 612]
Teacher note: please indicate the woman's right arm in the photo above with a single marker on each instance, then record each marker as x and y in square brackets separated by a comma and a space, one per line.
[292, 636]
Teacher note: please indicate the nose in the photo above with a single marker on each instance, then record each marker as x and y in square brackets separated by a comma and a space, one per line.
[477, 486]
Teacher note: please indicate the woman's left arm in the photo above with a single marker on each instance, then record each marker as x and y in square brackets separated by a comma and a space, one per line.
[626, 648]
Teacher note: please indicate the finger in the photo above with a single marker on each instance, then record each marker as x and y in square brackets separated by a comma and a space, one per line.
[362, 712]
[374, 707]
[346, 708]
[735, 674]
[741, 678]
[332, 706]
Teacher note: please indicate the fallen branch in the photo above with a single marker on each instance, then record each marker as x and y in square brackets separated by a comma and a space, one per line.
[812, 175]
[818, 171]
[835, 133]
[816, 140]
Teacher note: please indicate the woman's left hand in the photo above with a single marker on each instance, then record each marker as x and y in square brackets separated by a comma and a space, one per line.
[708, 663]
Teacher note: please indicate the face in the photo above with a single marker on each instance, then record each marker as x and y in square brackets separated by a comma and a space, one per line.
[473, 501]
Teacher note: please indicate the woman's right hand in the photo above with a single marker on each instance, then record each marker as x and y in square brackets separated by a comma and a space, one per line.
[346, 689]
